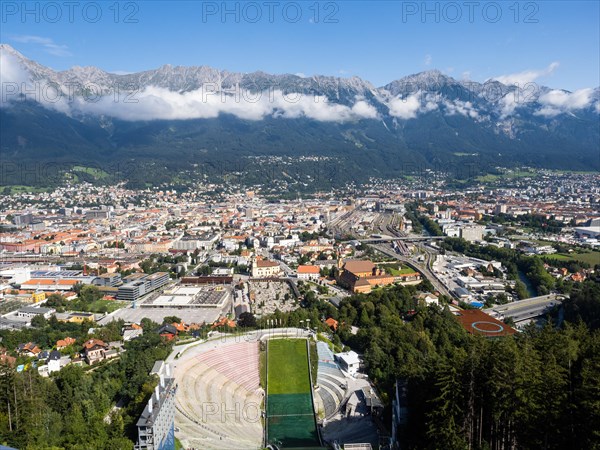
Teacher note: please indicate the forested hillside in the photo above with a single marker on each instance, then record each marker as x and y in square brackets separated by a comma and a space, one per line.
[74, 408]
[537, 390]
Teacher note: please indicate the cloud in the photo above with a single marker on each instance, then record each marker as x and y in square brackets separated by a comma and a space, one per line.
[364, 110]
[48, 44]
[16, 83]
[575, 100]
[156, 103]
[159, 103]
[459, 107]
[527, 76]
[405, 108]
[556, 101]
[508, 104]
[11, 71]
[427, 60]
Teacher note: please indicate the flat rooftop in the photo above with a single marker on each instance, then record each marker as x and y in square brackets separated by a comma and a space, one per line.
[190, 315]
[55, 273]
[189, 296]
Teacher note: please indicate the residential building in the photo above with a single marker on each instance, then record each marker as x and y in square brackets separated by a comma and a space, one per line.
[53, 361]
[156, 425]
[168, 331]
[306, 272]
[131, 334]
[38, 296]
[64, 343]
[94, 351]
[201, 242]
[29, 349]
[75, 317]
[332, 323]
[472, 232]
[428, 299]
[30, 312]
[263, 268]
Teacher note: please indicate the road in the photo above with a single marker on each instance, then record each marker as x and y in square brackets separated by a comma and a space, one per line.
[384, 224]
[422, 268]
[526, 309]
[287, 270]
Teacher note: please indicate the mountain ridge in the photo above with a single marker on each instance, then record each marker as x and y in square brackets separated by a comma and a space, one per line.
[421, 119]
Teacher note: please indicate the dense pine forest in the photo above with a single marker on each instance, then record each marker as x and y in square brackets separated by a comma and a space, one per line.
[539, 389]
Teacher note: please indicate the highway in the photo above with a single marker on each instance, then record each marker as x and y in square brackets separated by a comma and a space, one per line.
[384, 224]
[421, 268]
[526, 309]
[403, 238]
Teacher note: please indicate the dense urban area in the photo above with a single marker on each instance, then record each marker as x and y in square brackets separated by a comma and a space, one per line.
[433, 311]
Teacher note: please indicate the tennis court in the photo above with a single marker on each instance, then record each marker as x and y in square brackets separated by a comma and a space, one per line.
[290, 415]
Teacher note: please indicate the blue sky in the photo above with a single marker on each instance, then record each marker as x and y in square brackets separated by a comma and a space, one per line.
[553, 43]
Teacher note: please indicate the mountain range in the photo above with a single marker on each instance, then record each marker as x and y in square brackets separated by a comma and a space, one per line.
[325, 130]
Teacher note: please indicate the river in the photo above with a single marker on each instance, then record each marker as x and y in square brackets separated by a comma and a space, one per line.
[530, 289]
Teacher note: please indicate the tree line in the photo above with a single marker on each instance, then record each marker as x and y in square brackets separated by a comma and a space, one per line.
[74, 408]
[538, 389]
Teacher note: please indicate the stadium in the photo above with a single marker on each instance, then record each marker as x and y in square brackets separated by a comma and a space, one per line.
[251, 391]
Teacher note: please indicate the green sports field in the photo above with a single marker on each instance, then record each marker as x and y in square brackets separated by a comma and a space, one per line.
[290, 415]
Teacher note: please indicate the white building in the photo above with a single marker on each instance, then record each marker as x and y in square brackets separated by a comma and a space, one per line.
[205, 241]
[29, 312]
[472, 232]
[264, 269]
[348, 361]
[306, 272]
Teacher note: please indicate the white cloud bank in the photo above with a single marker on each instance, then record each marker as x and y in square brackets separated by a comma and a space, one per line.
[158, 103]
[155, 103]
[10, 69]
[418, 103]
[557, 102]
[405, 108]
[527, 76]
